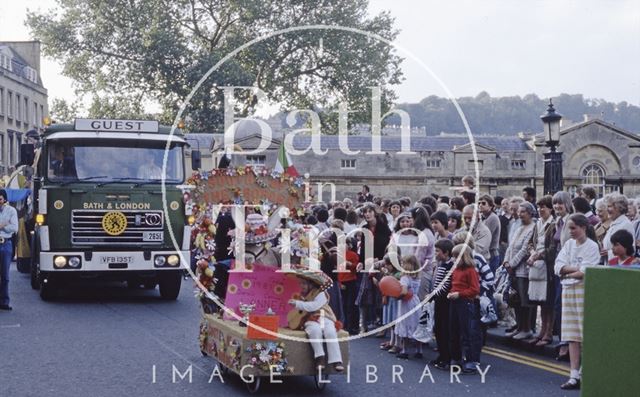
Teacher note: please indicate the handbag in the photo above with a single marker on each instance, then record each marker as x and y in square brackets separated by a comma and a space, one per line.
[538, 271]
[538, 281]
[513, 297]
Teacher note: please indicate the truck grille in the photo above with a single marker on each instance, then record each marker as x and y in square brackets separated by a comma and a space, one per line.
[86, 228]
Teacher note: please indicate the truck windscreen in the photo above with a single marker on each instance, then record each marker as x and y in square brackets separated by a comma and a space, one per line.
[122, 160]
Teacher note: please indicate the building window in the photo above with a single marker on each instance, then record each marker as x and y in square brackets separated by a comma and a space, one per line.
[40, 124]
[5, 62]
[348, 164]
[26, 111]
[9, 104]
[2, 101]
[434, 163]
[1, 148]
[518, 164]
[593, 175]
[10, 147]
[31, 74]
[256, 160]
[18, 112]
[35, 115]
[471, 164]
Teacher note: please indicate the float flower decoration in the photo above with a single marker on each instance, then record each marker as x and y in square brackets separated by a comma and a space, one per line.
[299, 242]
[205, 273]
[203, 335]
[205, 214]
[269, 355]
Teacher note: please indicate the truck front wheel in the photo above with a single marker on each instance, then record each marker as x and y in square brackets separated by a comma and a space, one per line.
[23, 265]
[169, 282]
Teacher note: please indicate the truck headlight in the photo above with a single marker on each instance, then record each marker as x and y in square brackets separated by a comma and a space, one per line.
[74, 262]
[39, 219]
[173, 260]
[59, 262]
[160, 261]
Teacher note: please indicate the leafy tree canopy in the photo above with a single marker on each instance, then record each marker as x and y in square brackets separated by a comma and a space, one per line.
[124, 53]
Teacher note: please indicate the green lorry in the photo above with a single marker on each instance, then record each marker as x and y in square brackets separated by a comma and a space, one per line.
[108, 198]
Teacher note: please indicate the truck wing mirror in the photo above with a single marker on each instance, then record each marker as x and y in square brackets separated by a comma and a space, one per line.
[196, 160]
[26, 153]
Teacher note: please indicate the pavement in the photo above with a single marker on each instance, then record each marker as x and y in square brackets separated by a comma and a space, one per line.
[107, 340]
[497, 336]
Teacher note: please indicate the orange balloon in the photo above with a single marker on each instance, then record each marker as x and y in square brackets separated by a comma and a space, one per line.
[390, 286]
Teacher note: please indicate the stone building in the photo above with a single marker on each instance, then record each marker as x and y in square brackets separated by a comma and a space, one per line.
[23, 98]
[595, 153]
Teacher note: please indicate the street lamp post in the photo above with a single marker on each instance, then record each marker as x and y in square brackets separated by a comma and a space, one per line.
[552, 159]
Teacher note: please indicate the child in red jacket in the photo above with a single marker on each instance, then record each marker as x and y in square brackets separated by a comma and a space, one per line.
[466, 336]
[349, 286]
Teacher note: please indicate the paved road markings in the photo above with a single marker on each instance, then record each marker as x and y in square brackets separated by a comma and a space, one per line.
[10, 326]
[530, 361]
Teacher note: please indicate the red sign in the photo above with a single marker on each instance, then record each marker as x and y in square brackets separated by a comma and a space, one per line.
[266, 322]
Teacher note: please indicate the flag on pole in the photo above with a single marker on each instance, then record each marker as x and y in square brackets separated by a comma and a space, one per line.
[284, 164]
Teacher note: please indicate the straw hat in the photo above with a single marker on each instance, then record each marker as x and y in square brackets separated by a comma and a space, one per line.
[317, 277]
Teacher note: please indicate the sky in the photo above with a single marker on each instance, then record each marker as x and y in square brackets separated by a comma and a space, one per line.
[502, 47]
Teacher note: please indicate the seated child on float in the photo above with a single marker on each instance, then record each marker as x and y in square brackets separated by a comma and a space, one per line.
[318, 319]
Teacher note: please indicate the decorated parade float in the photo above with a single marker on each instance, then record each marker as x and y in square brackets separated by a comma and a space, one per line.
[249, 323]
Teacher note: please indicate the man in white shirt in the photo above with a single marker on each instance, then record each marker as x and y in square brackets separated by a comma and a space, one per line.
[8, 226]
[149, 170]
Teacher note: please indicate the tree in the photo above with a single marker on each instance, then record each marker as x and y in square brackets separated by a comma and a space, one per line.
[156, 51]
[62, 111]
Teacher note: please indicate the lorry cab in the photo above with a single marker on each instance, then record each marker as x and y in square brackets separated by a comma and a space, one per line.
[109, 204]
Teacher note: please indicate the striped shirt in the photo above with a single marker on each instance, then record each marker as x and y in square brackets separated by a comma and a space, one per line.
[487, 278]
[441, 273]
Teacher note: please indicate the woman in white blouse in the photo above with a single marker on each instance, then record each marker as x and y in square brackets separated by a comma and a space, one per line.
[578, 253]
